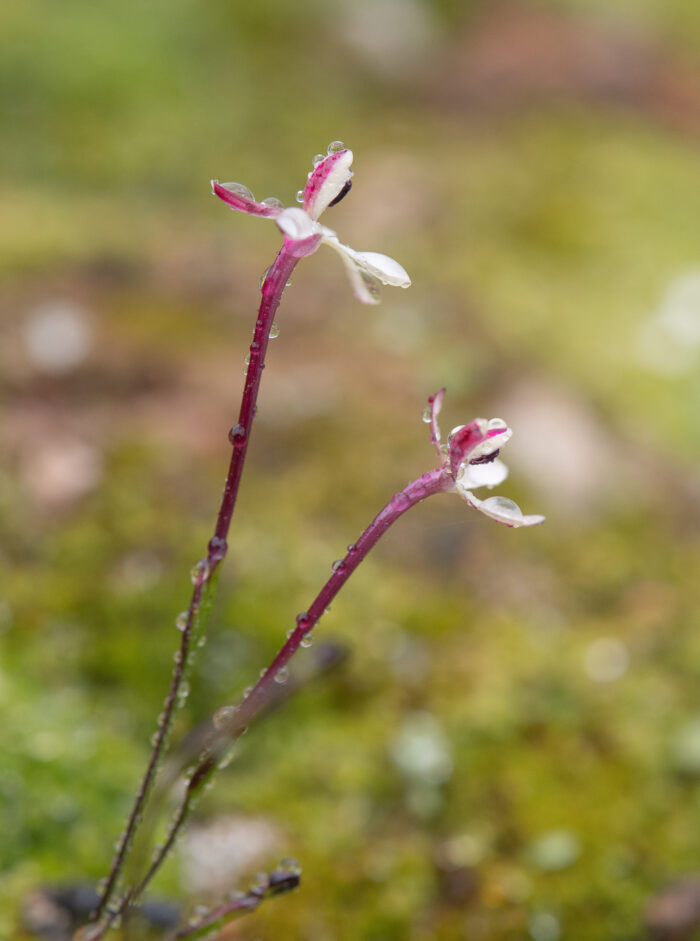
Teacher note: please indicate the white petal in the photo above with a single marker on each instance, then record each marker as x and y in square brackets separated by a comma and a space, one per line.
[364, 286]
[482, 475]
[502, 510]
[297, 224]
[383, 267]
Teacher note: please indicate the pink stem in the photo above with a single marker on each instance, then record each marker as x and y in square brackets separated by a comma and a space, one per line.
[272, 290]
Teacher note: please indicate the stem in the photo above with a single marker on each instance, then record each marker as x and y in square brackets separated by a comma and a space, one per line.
[277, 882]
[204, 576]
[434, 482]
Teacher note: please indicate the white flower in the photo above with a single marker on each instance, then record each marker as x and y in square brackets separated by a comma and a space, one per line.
[470, 460]
[328, 182]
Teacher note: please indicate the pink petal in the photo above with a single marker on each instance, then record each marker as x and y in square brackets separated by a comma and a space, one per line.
[237, 196]
[327, 181]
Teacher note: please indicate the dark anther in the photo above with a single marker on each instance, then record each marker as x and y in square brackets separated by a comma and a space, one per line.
[342, 194]
[486, 459]
[282, 881]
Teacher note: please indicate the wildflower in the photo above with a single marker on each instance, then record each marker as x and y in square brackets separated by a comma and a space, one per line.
[470, 460]
[328, 182]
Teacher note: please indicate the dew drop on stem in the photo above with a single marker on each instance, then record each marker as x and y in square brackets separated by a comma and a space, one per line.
[237, 435]
[307, 640]
[282, 675]
[274, 330]
[181, 621]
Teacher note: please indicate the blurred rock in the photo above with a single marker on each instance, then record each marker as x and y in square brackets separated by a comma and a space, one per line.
[57, 336]
[674, 914]
[58, 472]
[215, 857]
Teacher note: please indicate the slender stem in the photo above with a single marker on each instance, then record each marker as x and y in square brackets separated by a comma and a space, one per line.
[204, 575]
[255, 702]
[277, 882]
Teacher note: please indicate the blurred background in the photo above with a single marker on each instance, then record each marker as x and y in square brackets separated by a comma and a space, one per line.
[510, 747]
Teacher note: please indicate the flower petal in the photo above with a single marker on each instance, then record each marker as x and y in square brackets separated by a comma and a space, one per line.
[502, 510]
[387, 269]
[237, 196]
[365, 287]
[327, 181]
[489, 475]
[297, 224]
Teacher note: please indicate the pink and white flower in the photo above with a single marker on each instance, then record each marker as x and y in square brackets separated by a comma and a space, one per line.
[470, 460]
[328, 182]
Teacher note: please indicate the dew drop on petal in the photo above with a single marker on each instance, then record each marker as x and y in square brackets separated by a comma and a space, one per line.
[239, 189]
[372, 284]
[318, 158]
[335, 147]
[273, 202]
[427, 414]
[300, 196]
[282, 675]
[274, 330]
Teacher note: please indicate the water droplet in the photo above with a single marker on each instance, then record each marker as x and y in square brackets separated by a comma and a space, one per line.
[337, 565]
[263, 276]
[237, 434]
[372, 284]
[290, 866]
[247, 691]
[274, 330]
[263, 672]
[199, 572]
[181, 621]
[154, 739]
[427, 415]
[307, 640]
[282, 675]
[335, 147]
[222, 717]
[260, 883]
[218, 547]
[177, 657]
[318, 158]
[246, 359]
[288, 284]
[290, 632]
[183, 692]
[352, 547]
[273, 202]
[202, 641]
[302, 618]
[496, 424]
[300, 196]
[327, 609]
[239, 189]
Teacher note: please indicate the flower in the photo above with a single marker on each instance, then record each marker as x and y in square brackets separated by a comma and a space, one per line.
[328, 182]
[470, 460]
